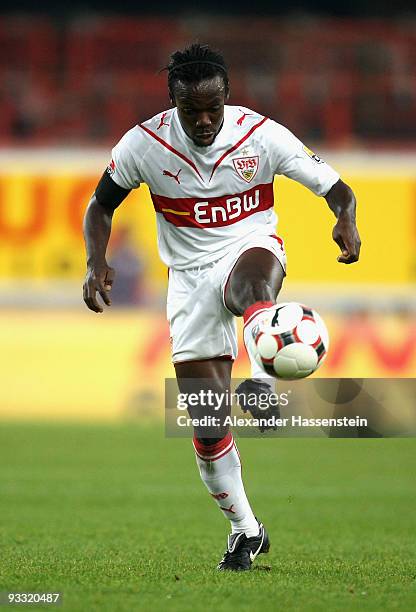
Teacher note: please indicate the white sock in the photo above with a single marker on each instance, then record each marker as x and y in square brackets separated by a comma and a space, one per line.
[220, 469]
[251, 319]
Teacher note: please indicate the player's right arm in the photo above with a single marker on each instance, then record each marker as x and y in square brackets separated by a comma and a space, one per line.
[97, 229]
[121, 176]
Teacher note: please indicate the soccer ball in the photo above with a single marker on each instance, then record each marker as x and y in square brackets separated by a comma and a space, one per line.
[290, 340]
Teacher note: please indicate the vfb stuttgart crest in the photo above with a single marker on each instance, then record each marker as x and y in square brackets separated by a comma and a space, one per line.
[246, 167]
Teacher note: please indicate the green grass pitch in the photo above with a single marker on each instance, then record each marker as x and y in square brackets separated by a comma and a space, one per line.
[115, 517]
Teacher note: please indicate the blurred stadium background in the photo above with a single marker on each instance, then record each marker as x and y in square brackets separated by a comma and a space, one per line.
[73, 83]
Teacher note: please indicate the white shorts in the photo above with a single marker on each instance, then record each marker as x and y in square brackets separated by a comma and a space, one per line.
[201, 326]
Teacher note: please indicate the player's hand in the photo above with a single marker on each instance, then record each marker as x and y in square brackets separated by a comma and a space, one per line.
[98, 279]
[346, 236]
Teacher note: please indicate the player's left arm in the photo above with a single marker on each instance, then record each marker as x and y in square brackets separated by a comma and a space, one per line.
[289, 156]
[342, 202]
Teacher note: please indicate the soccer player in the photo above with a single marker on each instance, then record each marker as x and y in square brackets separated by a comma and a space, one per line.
[210, 169]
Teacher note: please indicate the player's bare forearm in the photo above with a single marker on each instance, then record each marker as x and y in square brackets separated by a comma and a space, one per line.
[97, 230]
[99, 277]
[342, 202]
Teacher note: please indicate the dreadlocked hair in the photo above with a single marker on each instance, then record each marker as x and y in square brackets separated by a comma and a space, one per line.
[194, 64]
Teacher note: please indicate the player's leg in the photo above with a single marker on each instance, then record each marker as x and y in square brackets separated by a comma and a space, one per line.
[217, 458]
[257, 276]
[252, 286]
[219, 465]
[204, 345]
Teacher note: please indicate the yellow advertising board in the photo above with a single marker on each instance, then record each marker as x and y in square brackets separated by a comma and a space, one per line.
[79, 365]
[41, 228]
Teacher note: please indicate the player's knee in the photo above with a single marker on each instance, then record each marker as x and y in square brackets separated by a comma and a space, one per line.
[261, 290]
[258, 290]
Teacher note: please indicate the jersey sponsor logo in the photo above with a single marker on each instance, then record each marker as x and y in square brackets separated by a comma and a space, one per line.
[216, 211]
[313, 155]
[111, 168]
[246, 167]
[162, 121]
[243, 116]
[174, 176]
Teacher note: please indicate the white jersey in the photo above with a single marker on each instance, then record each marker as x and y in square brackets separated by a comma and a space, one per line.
[208, 198]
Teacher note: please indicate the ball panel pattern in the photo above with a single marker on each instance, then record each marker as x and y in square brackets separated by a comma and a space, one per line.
[291, 341]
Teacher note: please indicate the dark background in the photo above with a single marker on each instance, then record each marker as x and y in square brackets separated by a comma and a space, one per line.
[340, 75]
[324, 7]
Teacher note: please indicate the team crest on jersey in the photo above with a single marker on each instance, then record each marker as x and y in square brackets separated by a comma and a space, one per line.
[246, 167]
[313, 155]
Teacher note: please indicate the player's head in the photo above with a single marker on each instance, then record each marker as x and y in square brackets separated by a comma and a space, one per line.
[198, 86]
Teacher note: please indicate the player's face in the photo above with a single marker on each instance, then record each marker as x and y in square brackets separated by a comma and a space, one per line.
[201, 109]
